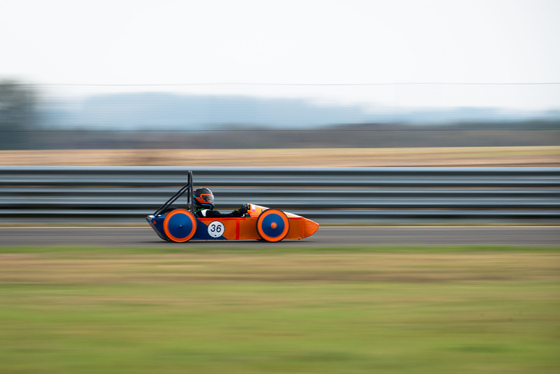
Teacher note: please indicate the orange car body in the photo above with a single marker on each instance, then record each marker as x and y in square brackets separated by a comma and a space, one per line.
[260, 223]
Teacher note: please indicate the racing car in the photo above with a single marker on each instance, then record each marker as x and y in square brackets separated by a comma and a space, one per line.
[259, 223]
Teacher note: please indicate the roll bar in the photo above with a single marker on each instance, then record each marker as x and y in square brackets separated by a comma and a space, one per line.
[186, 188]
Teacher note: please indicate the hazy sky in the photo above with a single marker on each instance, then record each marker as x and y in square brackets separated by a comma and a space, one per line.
[370, 51]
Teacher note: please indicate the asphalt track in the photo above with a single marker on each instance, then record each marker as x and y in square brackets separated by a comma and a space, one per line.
[326, 236]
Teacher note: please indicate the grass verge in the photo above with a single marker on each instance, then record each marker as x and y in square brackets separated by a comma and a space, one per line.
[346, 310]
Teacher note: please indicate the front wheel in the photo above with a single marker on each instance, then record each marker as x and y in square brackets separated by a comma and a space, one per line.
[273, 225]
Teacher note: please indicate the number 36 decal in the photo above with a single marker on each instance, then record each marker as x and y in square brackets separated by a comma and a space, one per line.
[216, 229]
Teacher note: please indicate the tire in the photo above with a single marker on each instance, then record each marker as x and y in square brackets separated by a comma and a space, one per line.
[273, 225]
[179, 225]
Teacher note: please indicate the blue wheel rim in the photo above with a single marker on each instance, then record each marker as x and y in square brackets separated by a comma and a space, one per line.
[180, 226]
[273, 225]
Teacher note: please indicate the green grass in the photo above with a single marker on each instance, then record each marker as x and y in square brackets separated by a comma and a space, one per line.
[194, 247]
[352, 310]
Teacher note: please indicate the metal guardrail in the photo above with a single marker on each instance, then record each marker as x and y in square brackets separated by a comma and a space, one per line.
[390, 195]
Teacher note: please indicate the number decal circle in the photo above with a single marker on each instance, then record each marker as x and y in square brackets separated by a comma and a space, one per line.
[273, 225]
[179, 225]
[216, 229]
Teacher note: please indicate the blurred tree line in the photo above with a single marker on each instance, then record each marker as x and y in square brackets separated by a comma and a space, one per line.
[21, 127]
[18, 114]
[527, 133]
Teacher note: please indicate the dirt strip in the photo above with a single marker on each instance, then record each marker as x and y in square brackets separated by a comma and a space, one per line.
[313, 157]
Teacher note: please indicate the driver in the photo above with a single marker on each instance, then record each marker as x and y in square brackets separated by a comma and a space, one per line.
[204, 200]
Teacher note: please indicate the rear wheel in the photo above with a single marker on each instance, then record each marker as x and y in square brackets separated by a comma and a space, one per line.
[273, 225]
[179, 225]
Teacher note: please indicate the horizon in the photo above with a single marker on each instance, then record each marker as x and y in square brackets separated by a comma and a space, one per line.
[135, 111]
